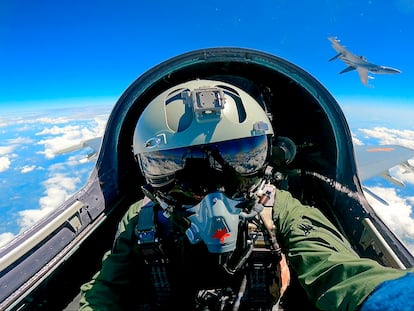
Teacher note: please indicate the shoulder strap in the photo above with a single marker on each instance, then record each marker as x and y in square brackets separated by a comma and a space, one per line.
[146, 233]
[149, 243]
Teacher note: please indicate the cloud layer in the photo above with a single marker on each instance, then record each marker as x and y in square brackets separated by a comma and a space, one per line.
[29, 149]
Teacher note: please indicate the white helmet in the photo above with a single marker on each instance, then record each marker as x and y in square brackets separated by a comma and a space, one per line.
[198, 117]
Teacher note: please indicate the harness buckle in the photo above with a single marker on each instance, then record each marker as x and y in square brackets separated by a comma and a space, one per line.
[147, 238]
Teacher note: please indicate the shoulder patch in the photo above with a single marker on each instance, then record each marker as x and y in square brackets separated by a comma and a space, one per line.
[270, 191]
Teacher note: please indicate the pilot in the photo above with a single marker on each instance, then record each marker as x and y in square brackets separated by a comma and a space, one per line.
[214, 230]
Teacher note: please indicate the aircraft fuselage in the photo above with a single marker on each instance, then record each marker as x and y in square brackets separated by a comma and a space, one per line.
[358, 63]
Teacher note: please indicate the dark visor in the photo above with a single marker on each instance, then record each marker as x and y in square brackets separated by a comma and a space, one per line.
[245, 155]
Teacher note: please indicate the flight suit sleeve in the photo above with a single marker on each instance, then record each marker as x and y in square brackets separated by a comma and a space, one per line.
[110, 287]
[332, 274]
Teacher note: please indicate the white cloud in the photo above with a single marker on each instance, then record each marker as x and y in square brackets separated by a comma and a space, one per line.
[6, 149]
[27, 168]
[58, 188]
[4, 164]
[389, 136]
[3, 122]
[101, 123]
[410, 199]
[55, 130]
[356, 141]
[27, 122]
[397, 215]
[20, 141]
[59, 120]
[5, 238]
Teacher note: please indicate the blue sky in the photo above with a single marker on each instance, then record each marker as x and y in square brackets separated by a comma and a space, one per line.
[61, 52]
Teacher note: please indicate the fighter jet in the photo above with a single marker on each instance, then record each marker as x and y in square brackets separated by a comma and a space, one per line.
[358, 63]
[44, 267]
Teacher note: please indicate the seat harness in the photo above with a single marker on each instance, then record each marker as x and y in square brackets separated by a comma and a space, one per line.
[256, 255]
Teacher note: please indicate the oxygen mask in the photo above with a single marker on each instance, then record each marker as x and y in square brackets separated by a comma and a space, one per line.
[215, 222]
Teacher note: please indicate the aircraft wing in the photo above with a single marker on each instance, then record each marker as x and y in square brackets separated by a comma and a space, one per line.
[377, 160]
[93, 143]
[347, 69]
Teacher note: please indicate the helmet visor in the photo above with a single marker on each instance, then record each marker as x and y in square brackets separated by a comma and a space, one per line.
[246, 156]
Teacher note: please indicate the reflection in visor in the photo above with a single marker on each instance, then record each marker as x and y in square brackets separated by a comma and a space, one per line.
[246, 156]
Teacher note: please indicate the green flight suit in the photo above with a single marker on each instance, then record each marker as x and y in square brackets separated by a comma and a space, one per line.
[332, 274]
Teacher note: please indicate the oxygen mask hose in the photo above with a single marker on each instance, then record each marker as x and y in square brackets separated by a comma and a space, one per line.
[251, 210]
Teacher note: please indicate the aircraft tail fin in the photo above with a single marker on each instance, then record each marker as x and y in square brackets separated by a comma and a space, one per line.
[363, 75]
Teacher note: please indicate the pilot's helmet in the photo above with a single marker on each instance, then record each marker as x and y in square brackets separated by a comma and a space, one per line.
[202, 127]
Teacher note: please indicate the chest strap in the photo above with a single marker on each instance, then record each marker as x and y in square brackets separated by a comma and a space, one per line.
[149, 243]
